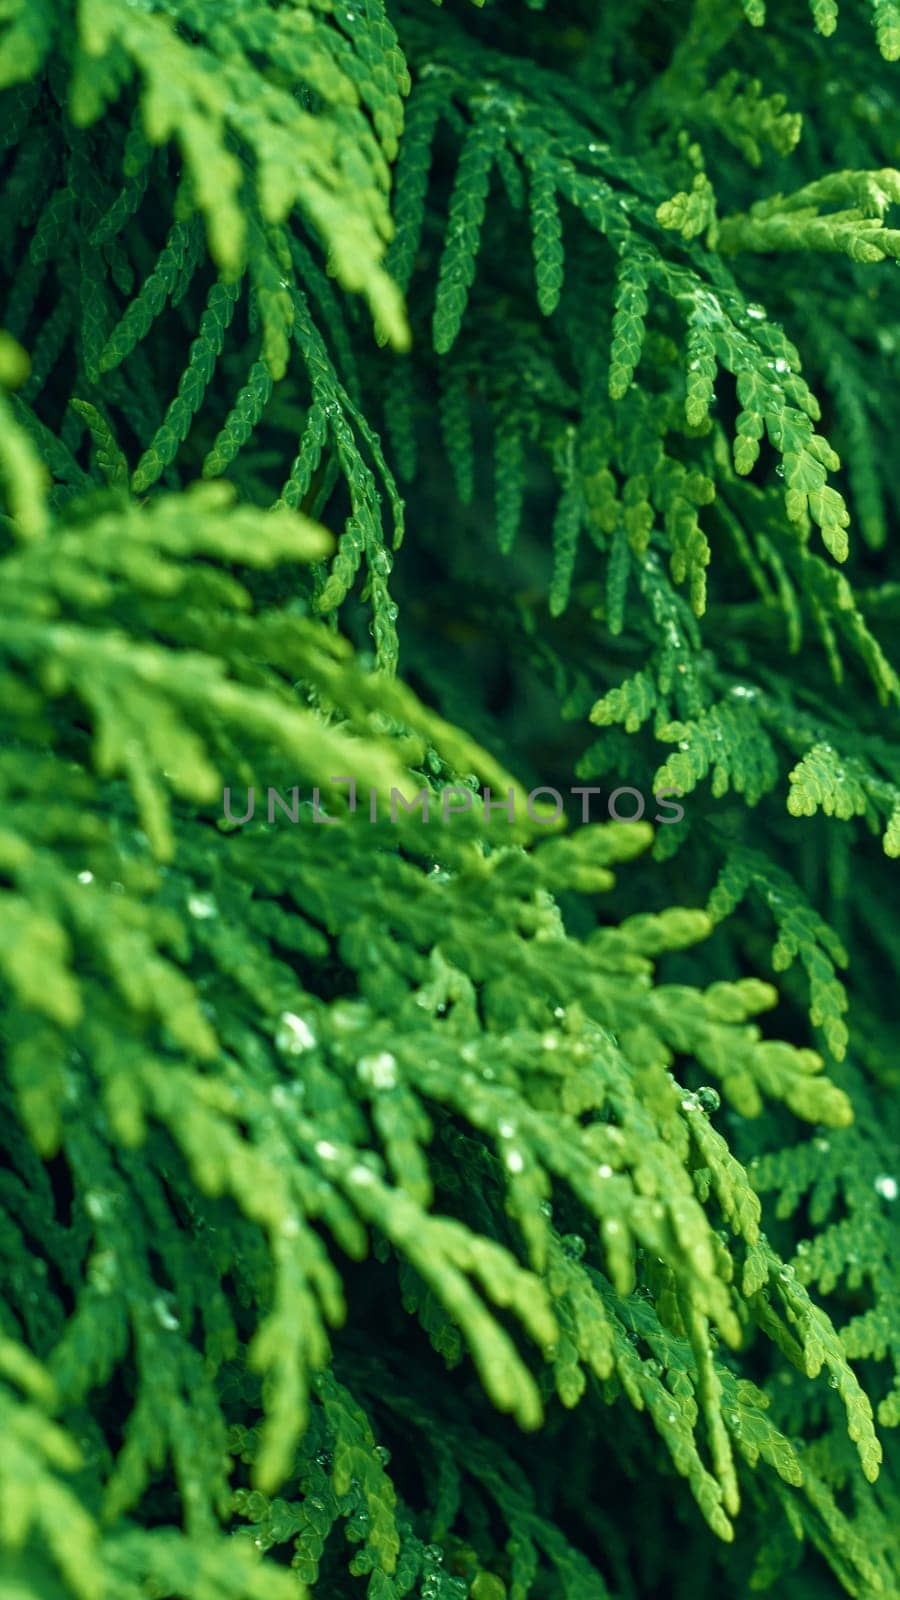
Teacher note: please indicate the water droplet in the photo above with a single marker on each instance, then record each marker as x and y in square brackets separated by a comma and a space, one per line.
[781, 365]
[102, 1271]
[506, 1129]
[85, 877]
[604, 1171]
[290, 1227]
[326, 1150]
[202, 906]
[293, 1035]
[756, 313]
[379, 1070]
[165, 1316]
[573, 1245]
[97, 1205]
[886, 1186]
[360, 1174]
[709, 1099]
[514, 1161]
[381, 561]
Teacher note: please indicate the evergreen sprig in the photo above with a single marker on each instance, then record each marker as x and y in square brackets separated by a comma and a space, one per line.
[381, 1135]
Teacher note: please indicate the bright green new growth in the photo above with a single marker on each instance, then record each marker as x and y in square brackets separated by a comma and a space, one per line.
[511, 1200]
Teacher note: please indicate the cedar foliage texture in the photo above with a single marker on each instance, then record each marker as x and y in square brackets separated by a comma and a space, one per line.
[500, 1205]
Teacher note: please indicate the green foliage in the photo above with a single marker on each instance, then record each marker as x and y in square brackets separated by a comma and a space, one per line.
[376, 1138]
